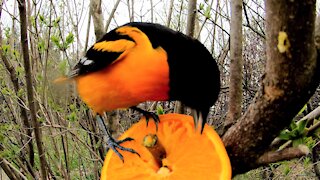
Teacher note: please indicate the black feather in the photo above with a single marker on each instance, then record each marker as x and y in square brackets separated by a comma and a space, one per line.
[194, 74]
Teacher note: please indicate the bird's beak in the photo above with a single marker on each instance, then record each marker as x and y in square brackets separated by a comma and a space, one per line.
[62, 79]
[74, 73]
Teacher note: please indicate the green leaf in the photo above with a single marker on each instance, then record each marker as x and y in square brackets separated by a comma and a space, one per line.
[33, 21]
[201, 6]
[16, 54]
[55, 40]
[301, 126]
[20, 92]
[160, 110]
[42, 19]
[56, 22]
[298, 141]
[310, 142]
[98, 144]
[306, 161]
[286, 169]
[295, 134]
[39, 77]
[40, 119]
[207, 12]
[19, 71]
[72, 117]
[293, 125]
[303, 109]
[73, 107]
[7, 32]
[5, 48]
[41, 46]
[285, 135]
[69, 38]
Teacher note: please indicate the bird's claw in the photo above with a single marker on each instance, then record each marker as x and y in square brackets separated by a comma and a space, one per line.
[148, 114]
[114, 145]
[154, 116]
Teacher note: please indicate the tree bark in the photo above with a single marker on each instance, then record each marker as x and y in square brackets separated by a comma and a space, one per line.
[170, 13]
[96, 13]
[236, 64]
[192, 11]
[292, 75]
[30, 93]
[151, 10]
[21, 100]
[7, 170]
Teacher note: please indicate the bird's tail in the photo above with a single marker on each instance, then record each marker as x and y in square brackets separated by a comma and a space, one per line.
[199, 118]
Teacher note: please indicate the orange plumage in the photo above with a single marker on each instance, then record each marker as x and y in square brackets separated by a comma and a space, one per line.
[140, 73]
[141, 62]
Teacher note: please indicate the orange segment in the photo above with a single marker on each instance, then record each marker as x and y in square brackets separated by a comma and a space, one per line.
[189, 154]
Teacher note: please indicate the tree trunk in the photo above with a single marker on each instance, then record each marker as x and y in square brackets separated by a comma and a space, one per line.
[170, 13]
[192, 11]
[151, 10]
[236, 64]
[21, 100]
[30, 93]
[292, 75]
[96, 13]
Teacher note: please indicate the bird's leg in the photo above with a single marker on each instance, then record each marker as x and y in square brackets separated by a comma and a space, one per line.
[148, 114]
[112, 143]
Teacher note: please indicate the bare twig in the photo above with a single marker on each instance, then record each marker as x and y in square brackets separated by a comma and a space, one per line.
[285, 154]
[262, 35]
[151, 10]
[170, 13]
[212, 21]
[111, 15]
[21, 176]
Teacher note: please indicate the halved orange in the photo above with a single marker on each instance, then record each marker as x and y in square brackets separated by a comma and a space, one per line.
[188, 154]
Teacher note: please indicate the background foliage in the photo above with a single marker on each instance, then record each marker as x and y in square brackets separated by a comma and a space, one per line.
[59, 32]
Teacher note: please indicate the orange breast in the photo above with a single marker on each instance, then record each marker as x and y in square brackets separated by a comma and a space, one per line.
[140, 76]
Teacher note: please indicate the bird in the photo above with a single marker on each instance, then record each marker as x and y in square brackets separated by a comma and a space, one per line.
[139, 62]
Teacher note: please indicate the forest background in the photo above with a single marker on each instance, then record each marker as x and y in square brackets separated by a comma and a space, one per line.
[268, 109]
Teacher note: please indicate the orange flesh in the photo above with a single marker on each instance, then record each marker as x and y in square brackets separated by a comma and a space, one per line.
[189, 154]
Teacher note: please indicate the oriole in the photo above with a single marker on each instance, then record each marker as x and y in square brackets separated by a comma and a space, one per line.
[140, 62]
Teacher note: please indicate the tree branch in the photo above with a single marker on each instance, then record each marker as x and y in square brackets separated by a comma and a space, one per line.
[291, 78]
[236, 64]
[285, 154]
[111, 15]
[96, 13]
[170, 13]
[191, 19]
[30, 93]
